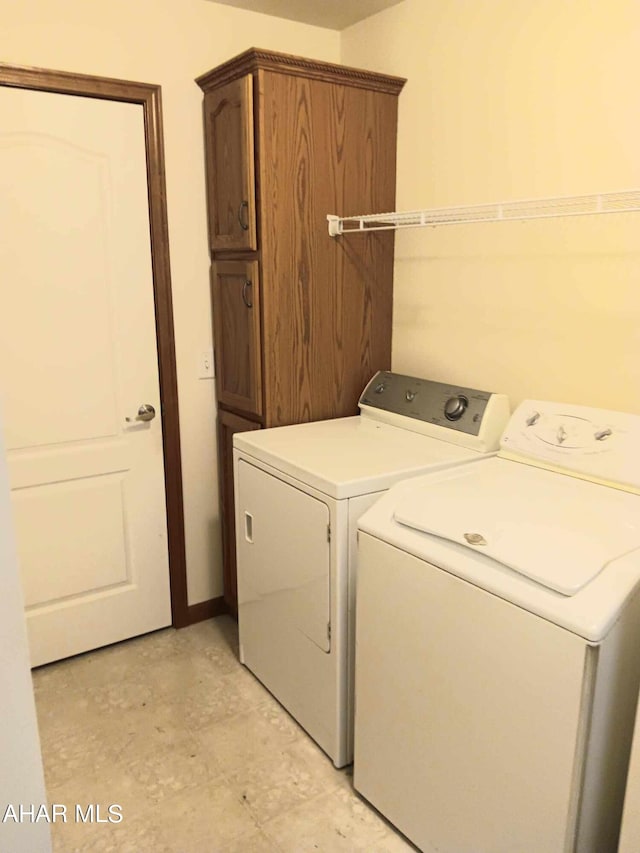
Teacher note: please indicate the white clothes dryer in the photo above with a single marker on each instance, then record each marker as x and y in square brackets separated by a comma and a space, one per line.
[299, 492]
[498, 641]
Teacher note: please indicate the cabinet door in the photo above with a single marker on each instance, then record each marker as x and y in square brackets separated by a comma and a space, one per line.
[236, 325]
[228, 117]
[228, 425]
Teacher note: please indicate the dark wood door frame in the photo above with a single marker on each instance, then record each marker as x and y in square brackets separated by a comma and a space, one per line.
[149, 97]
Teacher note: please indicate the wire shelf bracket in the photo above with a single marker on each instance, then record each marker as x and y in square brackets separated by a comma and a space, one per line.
[626, 201]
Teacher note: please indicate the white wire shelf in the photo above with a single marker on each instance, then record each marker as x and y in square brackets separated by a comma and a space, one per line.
[540, 208]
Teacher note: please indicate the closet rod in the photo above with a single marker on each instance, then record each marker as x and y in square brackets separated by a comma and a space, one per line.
[541, 208]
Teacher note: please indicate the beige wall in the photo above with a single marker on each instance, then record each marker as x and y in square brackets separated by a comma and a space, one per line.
[512, 99]
[167, 42]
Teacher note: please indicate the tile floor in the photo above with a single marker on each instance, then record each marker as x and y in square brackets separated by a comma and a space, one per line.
[200, 757]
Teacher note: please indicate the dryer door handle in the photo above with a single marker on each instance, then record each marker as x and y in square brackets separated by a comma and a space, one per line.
[248, 527]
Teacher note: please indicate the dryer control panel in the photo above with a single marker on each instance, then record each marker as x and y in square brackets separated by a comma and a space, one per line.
[434, 402]
[436, 408]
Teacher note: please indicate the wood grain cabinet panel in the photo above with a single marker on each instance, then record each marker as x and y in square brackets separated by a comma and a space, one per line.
[297, 139]
[228, 112]
[235, 290]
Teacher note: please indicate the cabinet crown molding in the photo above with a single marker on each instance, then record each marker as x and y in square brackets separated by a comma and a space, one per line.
[255, 59]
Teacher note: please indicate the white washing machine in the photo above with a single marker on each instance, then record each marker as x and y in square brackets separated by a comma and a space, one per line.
[299, 492]
[498, 641]
[630, 830]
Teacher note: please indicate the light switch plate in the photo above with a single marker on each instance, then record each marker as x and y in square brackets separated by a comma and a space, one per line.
[205, 364]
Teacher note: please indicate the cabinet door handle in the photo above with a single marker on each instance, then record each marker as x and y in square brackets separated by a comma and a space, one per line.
[245, 288]
[244, 205]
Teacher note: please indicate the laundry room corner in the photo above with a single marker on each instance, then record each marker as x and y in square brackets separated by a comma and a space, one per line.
[508, 101]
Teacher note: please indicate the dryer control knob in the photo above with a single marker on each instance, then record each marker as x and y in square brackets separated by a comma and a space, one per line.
[455, 407]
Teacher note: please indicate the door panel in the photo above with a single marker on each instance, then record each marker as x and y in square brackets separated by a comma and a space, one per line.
[236, 309]
[95, 560]
[283, 554]
[78, 355]
[230, 165]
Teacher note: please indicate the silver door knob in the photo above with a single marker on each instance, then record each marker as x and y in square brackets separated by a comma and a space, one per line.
[146, 412]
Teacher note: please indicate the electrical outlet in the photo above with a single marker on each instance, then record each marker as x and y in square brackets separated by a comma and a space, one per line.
[205, 365]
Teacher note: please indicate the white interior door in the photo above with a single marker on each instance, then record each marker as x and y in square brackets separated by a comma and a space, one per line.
[78, 356]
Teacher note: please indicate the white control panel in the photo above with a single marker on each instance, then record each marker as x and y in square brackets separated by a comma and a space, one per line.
[593, 443]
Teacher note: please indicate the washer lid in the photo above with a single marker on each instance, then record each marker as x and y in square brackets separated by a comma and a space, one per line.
[554, 529]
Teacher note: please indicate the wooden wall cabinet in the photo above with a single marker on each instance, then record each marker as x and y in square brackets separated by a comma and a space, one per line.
[301, 320]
